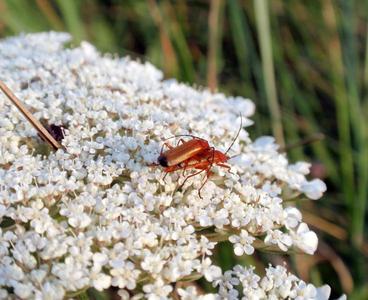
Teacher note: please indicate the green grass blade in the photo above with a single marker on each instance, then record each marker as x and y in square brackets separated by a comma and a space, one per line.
[214, 43]
[70, 10]
[342, 106]
[351, 60]
[50, 14]
[22, 15]
[180, 43]
[264, 36]
[248, 61]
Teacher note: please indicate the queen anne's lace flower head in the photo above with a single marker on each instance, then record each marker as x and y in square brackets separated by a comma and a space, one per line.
[97, 214]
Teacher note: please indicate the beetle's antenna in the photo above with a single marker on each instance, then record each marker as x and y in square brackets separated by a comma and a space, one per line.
[311, 139]
[237, 135]
[231, 157]
[179, 135]
[26, 113]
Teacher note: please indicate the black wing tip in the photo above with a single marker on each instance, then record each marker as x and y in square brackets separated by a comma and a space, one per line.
[162, 160]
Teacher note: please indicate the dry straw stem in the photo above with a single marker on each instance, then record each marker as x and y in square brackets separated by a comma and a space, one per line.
[35, 123]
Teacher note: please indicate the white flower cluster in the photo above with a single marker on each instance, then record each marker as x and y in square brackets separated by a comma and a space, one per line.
[243, 283]
[98, 214]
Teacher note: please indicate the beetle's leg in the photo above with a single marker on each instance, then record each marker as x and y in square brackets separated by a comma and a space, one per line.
[187, 165]
[170, 170]
[196, 165]
[167, 145]
[203, 166]
[163, 178]
[182, 141]
[189, 176]
[199, 191]
[208, 171]
[226, 167]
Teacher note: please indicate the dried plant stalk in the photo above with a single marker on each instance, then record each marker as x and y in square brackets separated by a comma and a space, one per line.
[26, 113]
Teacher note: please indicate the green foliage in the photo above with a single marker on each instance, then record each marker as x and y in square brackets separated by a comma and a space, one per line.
[304, 63]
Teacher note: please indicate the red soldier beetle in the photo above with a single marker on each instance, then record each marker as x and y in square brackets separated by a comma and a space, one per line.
[194, 154]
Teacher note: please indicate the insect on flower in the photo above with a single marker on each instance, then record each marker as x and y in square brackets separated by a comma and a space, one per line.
[193, 154]
[57, 131]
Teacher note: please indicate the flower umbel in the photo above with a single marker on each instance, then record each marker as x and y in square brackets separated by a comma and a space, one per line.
[95, 214]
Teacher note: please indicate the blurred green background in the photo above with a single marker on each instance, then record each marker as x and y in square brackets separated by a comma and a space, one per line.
[304, 64]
